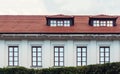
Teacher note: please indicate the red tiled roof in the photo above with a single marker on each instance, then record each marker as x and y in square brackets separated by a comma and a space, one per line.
[38, 24]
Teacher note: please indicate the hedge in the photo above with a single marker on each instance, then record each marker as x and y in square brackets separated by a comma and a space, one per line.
[109, 68]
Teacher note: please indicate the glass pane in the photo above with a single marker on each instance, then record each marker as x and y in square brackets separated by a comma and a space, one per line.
[83, 59]
[39, 49]
[34, 58]
[34, 49]
[101, 62]
[15, 63]
[15, 49]
[39, 59]
[101, 54]
[101, 49]
[15, 58]
[83, 54]
[61, 58]
[56, 54]
[56, 49]
[61, 54]
[39, 54]
[79, 59]
[15, 54]
[79, 49]
[56, 58]
[83, 63]
[106, 59]
[61, 49]
[10, 53]
[10, 58]
[34, 63]
[79, 63]
[34, 54]
[83, 49]
[106, 54]
[101, 59]
[11, 63]
[39, 64]
[106, 49]
[10, 49]
[61, 63]
[79, 54]
[56, 63]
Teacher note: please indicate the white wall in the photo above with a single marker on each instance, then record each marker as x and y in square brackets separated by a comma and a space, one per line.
[48, 51]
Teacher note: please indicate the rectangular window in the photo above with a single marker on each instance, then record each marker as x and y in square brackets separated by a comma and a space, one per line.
[104, 53]
[108, 23]
[58, 56]
[81, 56]
[13, 56]
[36, 56]
[60, 22]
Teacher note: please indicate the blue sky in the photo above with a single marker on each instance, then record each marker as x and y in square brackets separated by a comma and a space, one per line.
[74, 7]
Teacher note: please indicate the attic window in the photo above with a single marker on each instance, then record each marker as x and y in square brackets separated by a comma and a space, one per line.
[60, 23]
[108, 23]
[103, 21]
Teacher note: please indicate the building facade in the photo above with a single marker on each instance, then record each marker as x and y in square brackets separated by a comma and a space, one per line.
[59, 40]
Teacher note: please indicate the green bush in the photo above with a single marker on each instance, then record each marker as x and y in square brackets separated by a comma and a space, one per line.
[109, 68]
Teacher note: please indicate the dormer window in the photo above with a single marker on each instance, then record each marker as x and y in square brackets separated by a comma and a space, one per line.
[108, 23]
[60, 21]
[102, 21]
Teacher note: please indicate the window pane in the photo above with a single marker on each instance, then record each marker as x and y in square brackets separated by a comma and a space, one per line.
[106, 54]
[56, 54]
[101, 54]
[84, 59]
[83, 49]
[11, 63]
[34, 58]
[107, 59]
[39, 49]
[10, 49]
[79, 63]
[15, 49]
[56, 63]
[61, 63]
[61, 54]
[15, 54]
[56, 59]
[61, 49]
[79, 54]
[106, 49]
[15, 58]
[34, 54]
[79, 59]
[10, 53]
[83, 63]
[79, 49]
[39, 59]
[34, 63]
[101, 59]
[101, 49]
[56, 49]
[39, 64]
[83, 54]
[39, 54]
[10, 58]
[34, 49]
[61, 58]
[15, 63]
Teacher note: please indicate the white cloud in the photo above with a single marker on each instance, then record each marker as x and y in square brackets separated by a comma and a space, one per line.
[22, 7]
[39, 7]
